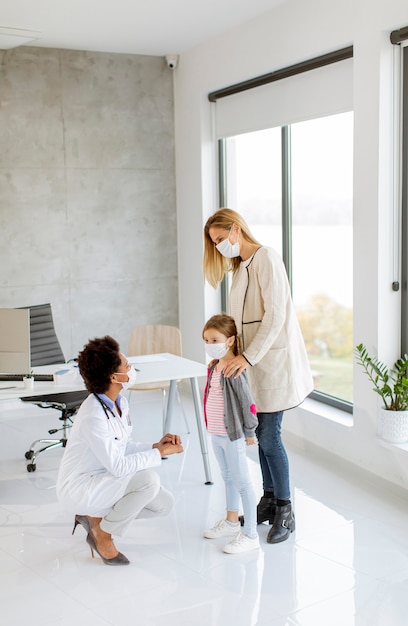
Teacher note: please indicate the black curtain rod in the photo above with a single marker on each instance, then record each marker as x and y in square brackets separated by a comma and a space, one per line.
[285, 72]
[397, 36]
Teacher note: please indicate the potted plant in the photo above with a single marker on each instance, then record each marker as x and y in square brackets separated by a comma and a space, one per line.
[391, 384]
[28, 380]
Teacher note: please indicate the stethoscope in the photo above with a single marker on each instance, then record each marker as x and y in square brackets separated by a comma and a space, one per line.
[116, 419]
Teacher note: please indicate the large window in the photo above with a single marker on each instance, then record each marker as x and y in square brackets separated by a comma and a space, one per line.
[293, 185]
[253, 183]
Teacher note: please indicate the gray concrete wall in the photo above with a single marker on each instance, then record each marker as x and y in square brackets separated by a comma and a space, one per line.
[87, 190]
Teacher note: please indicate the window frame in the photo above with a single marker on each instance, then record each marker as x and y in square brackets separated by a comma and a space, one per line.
[286, 214]
[259, 81]
[404, 199]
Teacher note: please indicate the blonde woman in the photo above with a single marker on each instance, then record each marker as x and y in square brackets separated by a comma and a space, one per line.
[273, 350]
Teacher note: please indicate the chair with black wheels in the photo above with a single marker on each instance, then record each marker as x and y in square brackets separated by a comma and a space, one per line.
[68, 404]
[45, 349]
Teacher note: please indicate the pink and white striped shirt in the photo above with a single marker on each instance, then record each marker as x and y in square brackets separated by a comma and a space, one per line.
[215, 406]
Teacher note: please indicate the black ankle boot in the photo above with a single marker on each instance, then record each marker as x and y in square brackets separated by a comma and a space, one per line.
[265, 511]
[283, 524]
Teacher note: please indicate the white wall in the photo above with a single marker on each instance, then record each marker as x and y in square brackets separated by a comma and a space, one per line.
[295, 31]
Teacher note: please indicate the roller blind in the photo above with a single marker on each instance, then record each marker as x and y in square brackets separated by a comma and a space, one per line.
[310, 94]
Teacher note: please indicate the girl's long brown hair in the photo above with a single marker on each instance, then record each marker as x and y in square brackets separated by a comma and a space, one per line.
[225, 325]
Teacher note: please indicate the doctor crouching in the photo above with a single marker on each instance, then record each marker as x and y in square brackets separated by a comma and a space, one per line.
[105, 478]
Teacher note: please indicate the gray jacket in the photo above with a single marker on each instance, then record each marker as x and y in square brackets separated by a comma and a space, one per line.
[239, 408]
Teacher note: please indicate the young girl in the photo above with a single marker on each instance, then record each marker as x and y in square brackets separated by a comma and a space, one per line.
[230, 415]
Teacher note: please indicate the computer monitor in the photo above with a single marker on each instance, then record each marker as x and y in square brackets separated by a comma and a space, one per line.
[15, 341]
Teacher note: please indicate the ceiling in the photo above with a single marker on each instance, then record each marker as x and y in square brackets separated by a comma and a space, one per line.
[151, 27]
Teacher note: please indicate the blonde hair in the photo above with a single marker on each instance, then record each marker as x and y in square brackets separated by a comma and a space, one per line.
[224, 324]
[214, 264]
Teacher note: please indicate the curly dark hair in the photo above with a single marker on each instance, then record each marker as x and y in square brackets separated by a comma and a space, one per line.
[97, 362]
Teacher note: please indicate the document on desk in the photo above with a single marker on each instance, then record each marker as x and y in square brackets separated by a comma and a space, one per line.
[146, 358]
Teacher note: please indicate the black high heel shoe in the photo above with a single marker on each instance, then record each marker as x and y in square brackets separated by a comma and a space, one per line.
[84, 521]
[119, 559]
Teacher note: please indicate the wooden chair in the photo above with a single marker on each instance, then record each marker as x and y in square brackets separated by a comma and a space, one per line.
[155, 339]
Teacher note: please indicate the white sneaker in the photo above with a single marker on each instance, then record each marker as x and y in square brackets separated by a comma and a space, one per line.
[222, 529]
[241, 543]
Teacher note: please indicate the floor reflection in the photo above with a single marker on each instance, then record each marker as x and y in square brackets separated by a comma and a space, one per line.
[346, 564]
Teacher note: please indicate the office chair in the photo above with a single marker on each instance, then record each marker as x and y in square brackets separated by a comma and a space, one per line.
[68, 403]
[155, 339]
[45, 349]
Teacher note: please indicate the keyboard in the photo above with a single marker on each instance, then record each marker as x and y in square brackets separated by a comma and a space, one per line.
[14, 377]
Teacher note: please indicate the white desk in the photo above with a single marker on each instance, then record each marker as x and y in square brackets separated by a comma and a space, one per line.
[14, 390]
[152, 368]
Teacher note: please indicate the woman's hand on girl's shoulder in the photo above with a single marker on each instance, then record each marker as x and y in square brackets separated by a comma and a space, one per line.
[235, 366]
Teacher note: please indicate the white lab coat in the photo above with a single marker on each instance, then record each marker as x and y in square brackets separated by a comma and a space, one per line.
[99, 459]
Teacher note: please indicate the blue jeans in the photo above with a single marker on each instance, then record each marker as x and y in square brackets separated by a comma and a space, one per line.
[232, 459]
[272, 455]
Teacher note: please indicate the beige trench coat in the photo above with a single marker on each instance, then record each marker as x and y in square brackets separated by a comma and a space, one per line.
[280, 377]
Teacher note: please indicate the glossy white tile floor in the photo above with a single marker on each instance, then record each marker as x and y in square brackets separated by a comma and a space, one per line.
[346, 564]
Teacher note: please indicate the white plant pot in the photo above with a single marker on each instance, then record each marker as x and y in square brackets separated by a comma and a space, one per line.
[28, 383]
[393, 426]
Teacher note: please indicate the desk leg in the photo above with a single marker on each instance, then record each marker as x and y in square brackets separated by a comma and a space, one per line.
[201, 430]
[170, 407]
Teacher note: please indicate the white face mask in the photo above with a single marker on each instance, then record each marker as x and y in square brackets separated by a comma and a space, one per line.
[216, 350]
[228, 249]
[132, 378]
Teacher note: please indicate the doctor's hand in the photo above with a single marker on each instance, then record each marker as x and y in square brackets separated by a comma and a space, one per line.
[235, 366]
[169, 444]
